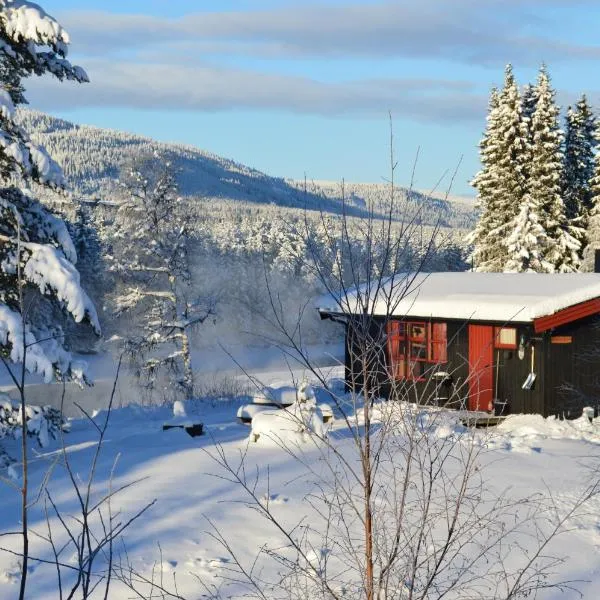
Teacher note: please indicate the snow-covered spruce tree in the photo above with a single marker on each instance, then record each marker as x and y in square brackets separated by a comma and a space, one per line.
[486, 183]
[150, 259]
[84, 228]
[578, 168]
[37, 255]
[529, 100]
[593, 225]
[544, 183]
[500, 184]
[527, 241]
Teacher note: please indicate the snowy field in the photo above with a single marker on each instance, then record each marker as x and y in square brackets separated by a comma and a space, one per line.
[173, 540]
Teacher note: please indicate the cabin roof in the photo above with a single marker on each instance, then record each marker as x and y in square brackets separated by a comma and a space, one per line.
[494, 297]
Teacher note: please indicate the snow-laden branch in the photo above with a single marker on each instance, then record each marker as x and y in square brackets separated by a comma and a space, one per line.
[51, 272]
[36, 39]
[134, 296]
[13, 335]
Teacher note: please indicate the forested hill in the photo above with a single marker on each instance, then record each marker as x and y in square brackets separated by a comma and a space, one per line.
[91, 157]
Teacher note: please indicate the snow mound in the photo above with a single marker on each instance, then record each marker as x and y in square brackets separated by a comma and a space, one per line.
[536, 426]
[294, 425]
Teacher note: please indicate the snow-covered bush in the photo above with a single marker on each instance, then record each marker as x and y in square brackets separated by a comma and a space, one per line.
[43, 422]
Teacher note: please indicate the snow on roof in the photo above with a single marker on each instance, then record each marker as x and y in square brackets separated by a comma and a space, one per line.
[499, 297]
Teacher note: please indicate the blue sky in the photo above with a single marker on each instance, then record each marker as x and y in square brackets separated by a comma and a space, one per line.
[296, 88]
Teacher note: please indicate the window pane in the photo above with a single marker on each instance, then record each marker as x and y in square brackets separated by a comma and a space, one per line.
[418, 351]
[396, 346]
[506, 337]
[417, 331]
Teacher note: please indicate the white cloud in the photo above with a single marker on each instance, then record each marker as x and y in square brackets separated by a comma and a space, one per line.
[205, 87]
[470, 31]
[144, 61]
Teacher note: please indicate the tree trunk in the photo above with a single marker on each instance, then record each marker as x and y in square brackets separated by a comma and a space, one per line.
[188, 374]
[367, 474]
[24, 474]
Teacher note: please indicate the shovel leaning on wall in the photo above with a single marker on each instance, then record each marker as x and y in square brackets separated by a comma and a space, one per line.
[528, 383]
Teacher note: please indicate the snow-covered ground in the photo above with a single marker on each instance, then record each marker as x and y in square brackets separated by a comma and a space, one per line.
[173, 541]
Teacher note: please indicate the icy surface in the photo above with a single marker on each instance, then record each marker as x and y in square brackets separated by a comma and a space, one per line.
[501, 297]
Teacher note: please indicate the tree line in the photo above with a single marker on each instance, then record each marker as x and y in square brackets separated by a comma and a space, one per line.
[538, 191]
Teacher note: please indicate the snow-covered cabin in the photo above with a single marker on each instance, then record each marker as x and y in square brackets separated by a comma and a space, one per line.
[510, 342]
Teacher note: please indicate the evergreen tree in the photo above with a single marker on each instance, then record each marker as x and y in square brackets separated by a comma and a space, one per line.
[486, 182]
[580, 146]
[593, 228]
[36, 251]
[544, 182]
[529, 101]
[84, 229]
[527, 240]
[578, 168]
[501, 182]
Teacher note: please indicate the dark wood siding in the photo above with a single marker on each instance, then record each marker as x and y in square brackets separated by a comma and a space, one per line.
[510, 373]
[573, 370]
[567, 375]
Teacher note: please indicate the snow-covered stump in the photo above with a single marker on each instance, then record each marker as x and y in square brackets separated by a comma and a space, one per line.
[180, 420]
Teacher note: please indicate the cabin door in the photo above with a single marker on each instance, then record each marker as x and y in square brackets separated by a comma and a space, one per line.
[481, 366]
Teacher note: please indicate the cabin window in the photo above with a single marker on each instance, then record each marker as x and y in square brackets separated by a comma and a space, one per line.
[413, 344]
[417, 341]
[439, 342]
[506, 338]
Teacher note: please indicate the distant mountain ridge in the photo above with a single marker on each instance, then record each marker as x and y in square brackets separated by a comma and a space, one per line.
[91, 158]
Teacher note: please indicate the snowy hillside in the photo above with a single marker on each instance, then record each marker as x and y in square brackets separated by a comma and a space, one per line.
[91, 156]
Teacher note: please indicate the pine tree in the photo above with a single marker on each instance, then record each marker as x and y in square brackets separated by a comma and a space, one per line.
[580, 146]
[578, 168]
[529, 101]
[150, 258]
[36, 251]
[593, 228]
[544, 182]
[486, 183]
[501, 182]
[527, 240]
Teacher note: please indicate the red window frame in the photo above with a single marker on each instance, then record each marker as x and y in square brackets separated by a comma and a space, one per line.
[439, 342]
[503, 346]
[396, 342]
[412, 344]
[417, 341]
